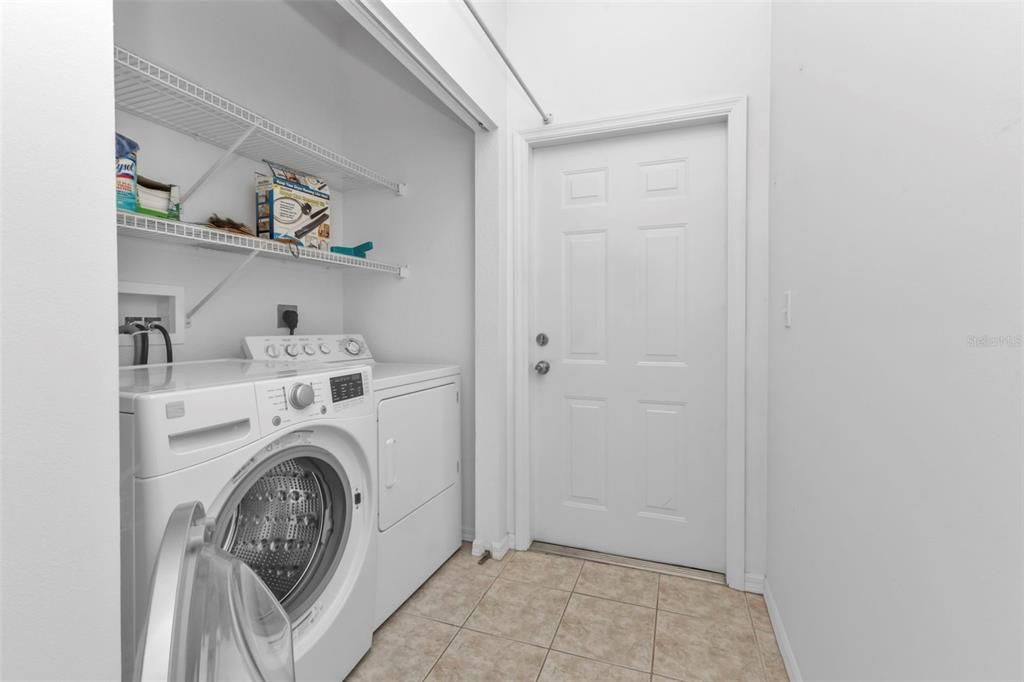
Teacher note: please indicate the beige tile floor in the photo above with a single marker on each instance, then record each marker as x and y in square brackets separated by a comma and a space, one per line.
[535, 616]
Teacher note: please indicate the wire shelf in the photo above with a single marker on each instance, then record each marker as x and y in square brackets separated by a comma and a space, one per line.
[136, 225]
[156, 94]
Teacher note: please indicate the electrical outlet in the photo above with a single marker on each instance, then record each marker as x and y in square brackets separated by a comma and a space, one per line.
[280, 314]
[131, 319]
[150, 320]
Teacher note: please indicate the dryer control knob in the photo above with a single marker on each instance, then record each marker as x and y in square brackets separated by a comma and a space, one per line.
[308, 349]
[292, 349]
[271, 351]
[301, 396]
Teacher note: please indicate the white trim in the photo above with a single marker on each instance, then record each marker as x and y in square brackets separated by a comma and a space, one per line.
[754, 583]
[468, 535]
[382, 24]
[733, 112]
[497, 549]
[788, 657]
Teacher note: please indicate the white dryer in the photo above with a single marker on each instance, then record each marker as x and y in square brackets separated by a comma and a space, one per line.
[283, 458]
[418, 409]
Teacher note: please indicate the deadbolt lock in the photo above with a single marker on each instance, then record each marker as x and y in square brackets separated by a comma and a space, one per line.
[542, 339]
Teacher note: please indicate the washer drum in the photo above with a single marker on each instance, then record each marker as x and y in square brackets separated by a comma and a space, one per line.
[289, 527]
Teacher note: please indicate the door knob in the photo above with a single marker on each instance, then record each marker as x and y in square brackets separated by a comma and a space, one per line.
[542, 367]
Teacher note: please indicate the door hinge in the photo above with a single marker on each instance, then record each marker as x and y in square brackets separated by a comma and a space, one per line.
[456, 396]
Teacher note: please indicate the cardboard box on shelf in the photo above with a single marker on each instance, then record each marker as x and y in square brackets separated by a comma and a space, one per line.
[293, 206]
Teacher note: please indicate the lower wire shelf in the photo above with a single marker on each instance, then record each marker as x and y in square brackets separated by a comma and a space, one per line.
[137, 225]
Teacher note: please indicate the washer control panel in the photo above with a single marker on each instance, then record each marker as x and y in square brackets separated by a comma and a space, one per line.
[319, 348]
[282, 402]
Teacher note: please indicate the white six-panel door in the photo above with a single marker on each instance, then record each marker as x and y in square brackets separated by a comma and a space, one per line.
[628, 281]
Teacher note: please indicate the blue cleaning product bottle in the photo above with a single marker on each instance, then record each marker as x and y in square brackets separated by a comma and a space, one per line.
[126, 171]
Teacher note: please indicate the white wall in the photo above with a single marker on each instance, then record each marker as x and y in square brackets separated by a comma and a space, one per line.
[592, 60]
[895, 524]
[59, 572]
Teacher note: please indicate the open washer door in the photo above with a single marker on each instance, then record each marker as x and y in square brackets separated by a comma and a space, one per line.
[210, 617]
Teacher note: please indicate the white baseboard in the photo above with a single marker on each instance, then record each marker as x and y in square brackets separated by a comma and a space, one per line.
[468, 534]
[497, 549]
[754, 583]
[788, 657]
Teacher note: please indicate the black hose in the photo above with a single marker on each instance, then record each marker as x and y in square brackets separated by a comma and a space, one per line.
[167, 340]
[141, 341]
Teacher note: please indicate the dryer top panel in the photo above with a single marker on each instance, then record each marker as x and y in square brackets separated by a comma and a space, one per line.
[392, 374]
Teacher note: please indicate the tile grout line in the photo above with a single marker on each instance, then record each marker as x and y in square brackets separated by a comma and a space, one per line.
[441, 655]
[443, 652]
[476, 604]
[757, 640]
[589, 596]
[465, 620]
[657, 610]
[504, 637]
[572, 591]
[616, 601]
[604, 559]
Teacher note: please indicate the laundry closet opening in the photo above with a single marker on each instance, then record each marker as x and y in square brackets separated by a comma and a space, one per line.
[303, 228]
[311, 68]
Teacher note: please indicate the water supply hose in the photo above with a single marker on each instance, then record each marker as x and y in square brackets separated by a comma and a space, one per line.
[167, 340]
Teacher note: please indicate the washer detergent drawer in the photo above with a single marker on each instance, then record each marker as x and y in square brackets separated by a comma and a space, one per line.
[419, 450]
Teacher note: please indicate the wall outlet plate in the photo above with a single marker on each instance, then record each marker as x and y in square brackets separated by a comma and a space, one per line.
[280, 314]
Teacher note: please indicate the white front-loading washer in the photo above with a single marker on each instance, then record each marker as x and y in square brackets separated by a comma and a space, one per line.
[419, 501]
[283, 458]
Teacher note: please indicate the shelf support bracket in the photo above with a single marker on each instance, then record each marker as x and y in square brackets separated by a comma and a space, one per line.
[220, 285]
[225, 157]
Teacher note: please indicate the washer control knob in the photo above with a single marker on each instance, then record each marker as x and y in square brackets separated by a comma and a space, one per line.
[352, 347]
[292, 349]
[301, 396]
[308, 349]
[271, 351]
[325, 349]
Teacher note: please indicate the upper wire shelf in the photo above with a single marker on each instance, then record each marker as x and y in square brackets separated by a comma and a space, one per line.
[152, 92]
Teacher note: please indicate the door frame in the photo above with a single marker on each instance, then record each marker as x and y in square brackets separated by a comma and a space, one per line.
[732, 112]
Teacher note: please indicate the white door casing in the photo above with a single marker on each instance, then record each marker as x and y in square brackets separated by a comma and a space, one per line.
[731, 112]
[628, 281]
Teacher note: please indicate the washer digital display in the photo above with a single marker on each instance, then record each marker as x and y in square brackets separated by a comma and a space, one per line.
[346, 387]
